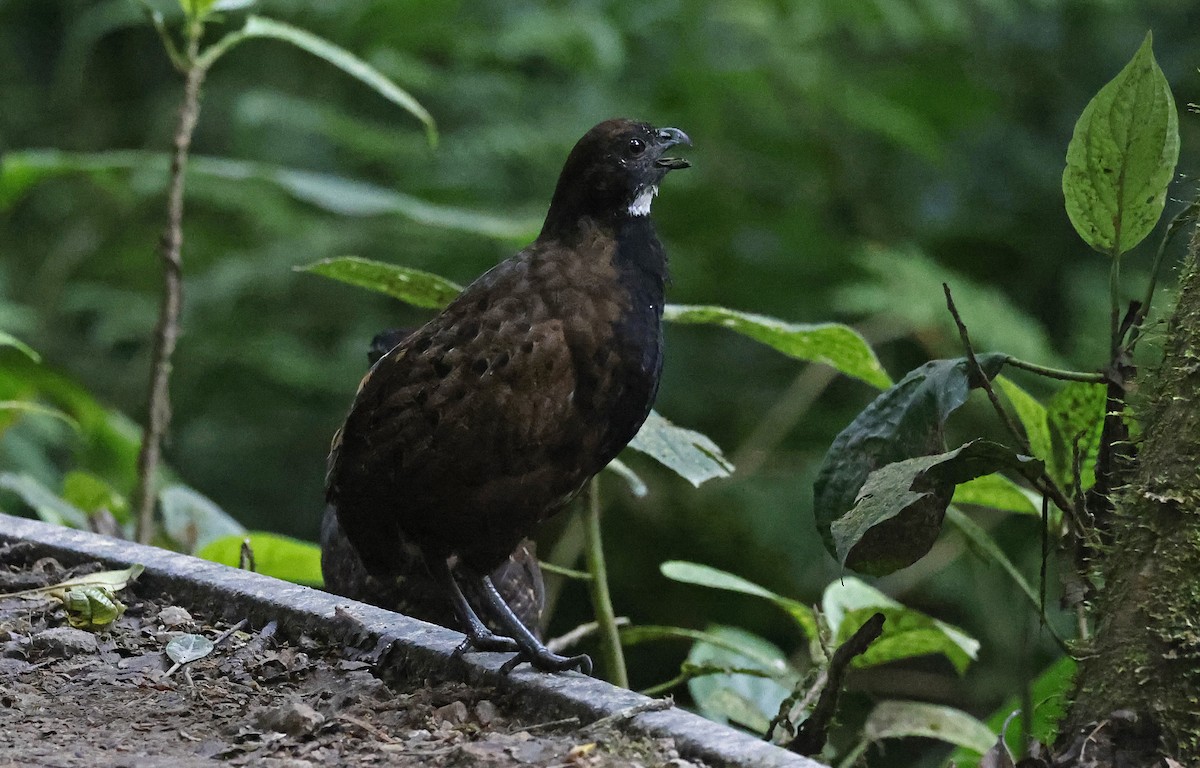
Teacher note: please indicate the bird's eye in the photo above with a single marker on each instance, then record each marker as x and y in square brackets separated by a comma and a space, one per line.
[636, 146]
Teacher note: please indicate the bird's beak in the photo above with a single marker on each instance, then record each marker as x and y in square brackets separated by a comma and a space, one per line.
[667, 138]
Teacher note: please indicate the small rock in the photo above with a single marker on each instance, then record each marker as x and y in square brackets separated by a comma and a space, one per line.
[454, 713]
[420, 734]
[679, 762]
[294, 718]
[65, 642]
[285, 762]
[174, 616]
[485, 712]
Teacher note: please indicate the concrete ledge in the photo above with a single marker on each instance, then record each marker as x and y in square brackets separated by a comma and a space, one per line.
[417, 650]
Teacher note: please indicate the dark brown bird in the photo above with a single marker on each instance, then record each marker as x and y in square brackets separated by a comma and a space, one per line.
[409, 588]
[492, 416]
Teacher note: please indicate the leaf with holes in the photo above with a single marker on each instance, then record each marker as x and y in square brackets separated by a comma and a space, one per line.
[899, 510]
[904, 421]
[1122, 156]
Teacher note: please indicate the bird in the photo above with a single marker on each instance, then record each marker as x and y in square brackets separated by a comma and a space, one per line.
[409, 588]
[495, 413]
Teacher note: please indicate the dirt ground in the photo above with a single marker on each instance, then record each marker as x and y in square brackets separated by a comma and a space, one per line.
[72, 698]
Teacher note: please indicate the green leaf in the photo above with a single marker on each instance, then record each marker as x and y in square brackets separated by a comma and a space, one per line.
[1076, 418]
[1122, 157]
[902, 422]
[8, 340]
[92, 493]
[997, 492]
[707, 576]
[849, 602]
[46, 504]
[274, 555]
[21, 170]
[188, 648]
[1049, 692]
[413, 286]
[899, 510]
[903, 719]
[650, 632]
[748, 700]
[1030, 413]
[25, 406]
[691, 455]
[838, 346]
[260, 27]
[192, 520]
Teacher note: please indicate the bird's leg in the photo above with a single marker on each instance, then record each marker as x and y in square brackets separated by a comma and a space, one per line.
[478, 635]
[530, 648]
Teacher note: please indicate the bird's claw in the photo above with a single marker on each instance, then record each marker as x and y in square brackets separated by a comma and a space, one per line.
[486, 642]
[548, 661]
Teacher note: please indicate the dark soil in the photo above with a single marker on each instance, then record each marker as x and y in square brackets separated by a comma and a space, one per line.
[70, 697]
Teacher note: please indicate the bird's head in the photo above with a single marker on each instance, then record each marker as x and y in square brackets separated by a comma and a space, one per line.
[613, 172]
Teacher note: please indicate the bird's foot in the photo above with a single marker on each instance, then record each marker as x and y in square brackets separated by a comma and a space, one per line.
[485, 641]
[548, 661]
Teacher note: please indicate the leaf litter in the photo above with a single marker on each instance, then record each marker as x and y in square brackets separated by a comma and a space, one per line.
[71, 698]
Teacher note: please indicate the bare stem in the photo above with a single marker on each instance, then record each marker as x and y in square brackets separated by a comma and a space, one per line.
[1044, 483]
[158, 417]
[606, 618]
[1056, 373]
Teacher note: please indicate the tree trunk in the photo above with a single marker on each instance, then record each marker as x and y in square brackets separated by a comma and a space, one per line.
[1138, 692]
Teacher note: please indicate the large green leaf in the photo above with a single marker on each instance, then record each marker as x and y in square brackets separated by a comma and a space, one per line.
[260, 27]
[707, 576]
[902, 719]
[903, 422]
[899, 510]
[274, 555]
[849, 602]
[693, 456]
[20, 170]
[1122, 156]
[748, 700]
[413, 286]
[838, 346]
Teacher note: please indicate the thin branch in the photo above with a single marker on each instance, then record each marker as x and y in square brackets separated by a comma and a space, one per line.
[158, 418]
[1055, 373]
[813, 732]
[1044, 484]
[610, 638]
[569, 640]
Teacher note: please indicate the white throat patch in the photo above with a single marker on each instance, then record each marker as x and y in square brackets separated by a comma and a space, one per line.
[641, 204]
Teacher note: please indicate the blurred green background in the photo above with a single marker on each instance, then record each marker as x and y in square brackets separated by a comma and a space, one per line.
[849, 155]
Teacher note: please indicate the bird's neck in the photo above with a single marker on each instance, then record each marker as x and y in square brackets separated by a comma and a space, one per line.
[640, 256]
